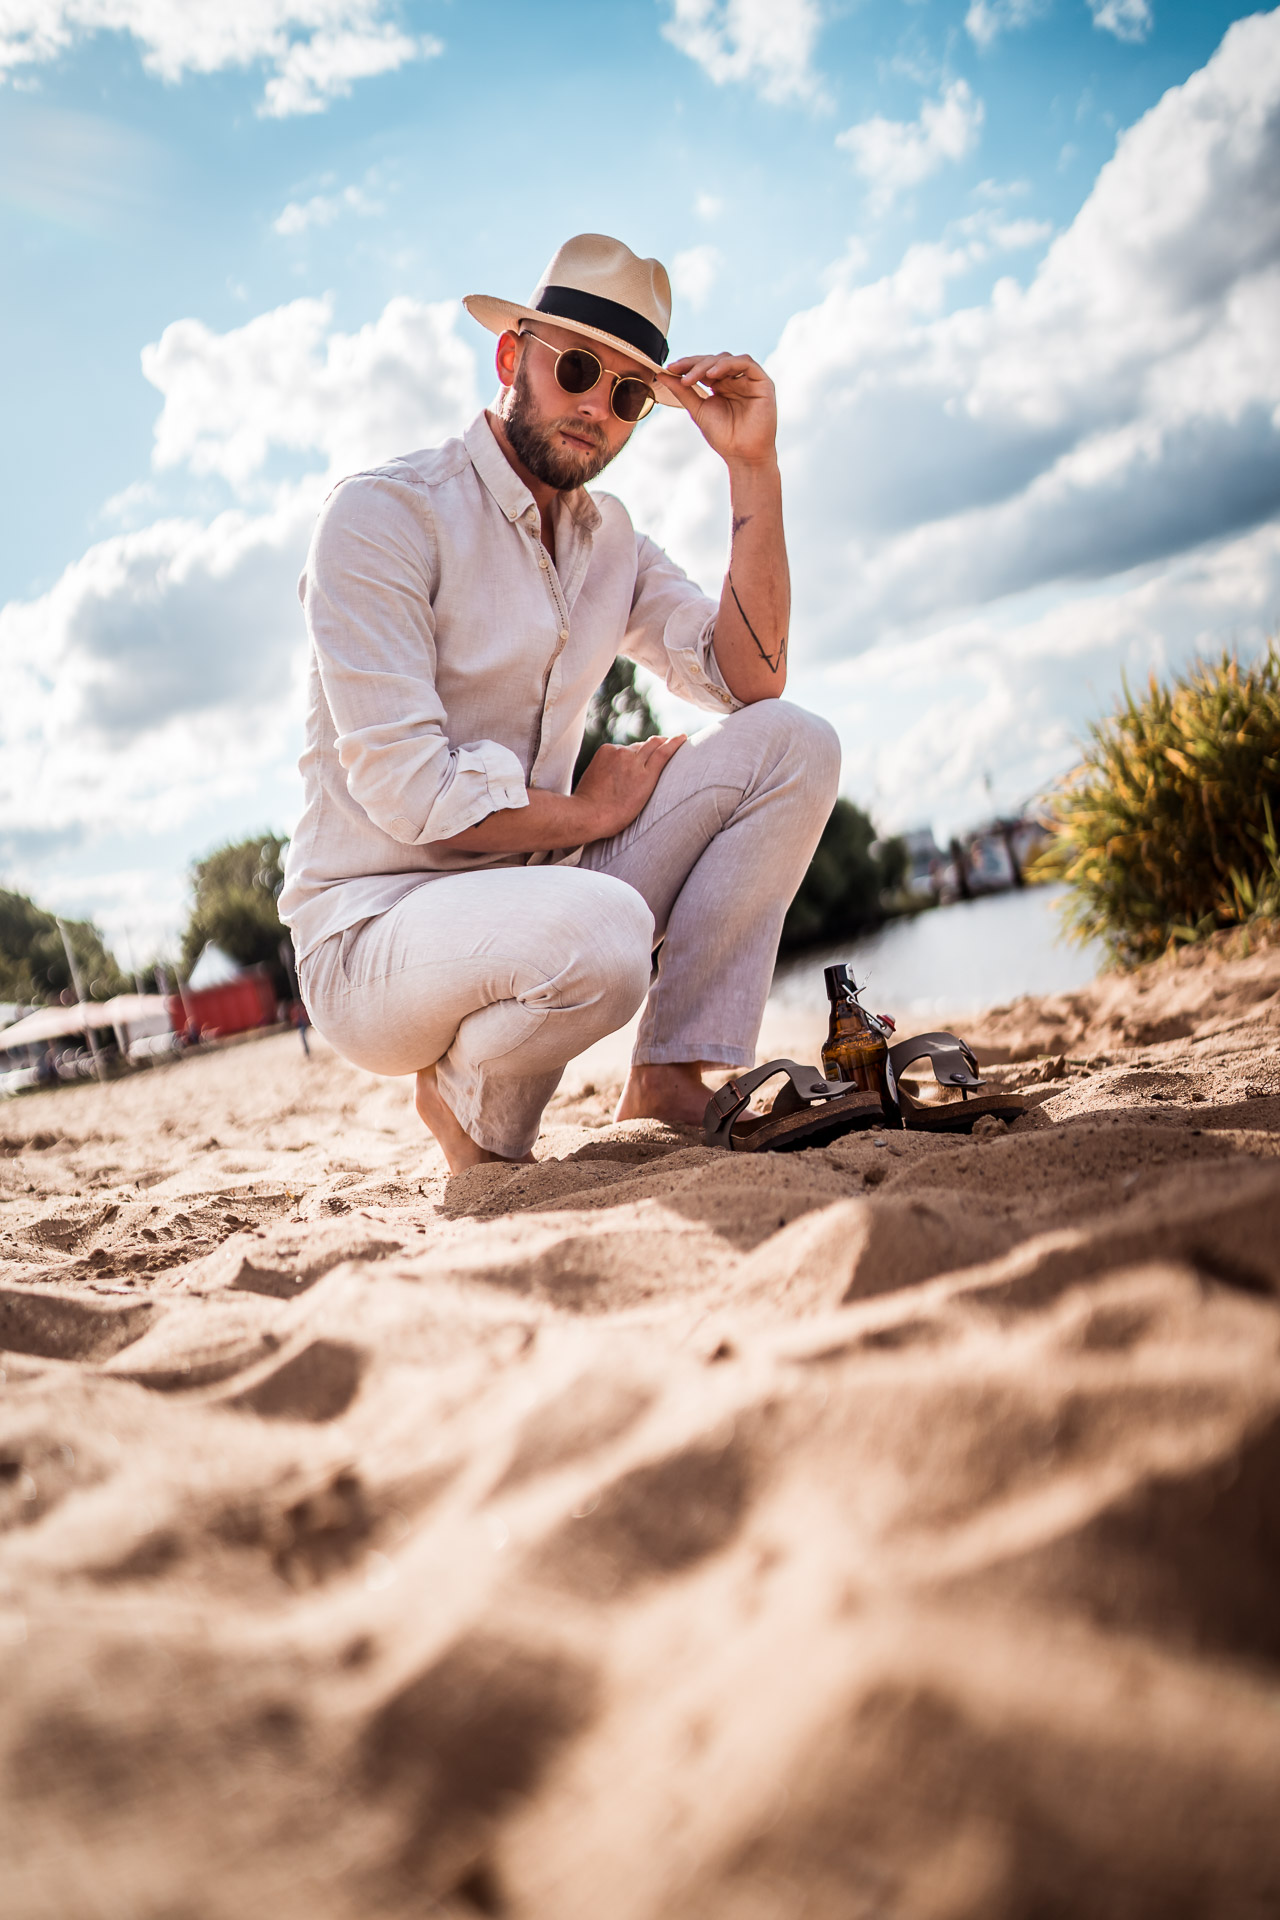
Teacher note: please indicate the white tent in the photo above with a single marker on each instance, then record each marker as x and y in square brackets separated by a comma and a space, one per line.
[213, 968]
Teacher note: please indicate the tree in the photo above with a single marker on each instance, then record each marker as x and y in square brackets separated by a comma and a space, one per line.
[235, 891]
[619, 714]
[33, 964]
[842, 892]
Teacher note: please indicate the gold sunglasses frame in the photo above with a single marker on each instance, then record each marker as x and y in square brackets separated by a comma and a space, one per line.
[527, 333]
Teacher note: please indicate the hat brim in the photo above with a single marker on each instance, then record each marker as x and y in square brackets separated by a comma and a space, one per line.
[501, 316]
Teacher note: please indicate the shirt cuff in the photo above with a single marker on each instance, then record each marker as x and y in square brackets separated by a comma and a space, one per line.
[485, 778]
[689, 639]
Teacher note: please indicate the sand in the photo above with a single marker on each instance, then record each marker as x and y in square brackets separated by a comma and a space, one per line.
[890, 1529]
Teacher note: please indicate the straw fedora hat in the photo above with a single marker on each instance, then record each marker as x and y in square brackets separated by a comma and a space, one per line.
[597, 287]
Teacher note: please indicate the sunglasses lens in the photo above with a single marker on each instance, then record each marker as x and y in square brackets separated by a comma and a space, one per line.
[577, 370]
[632, 399]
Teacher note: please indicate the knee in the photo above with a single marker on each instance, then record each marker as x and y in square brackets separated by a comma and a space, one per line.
[620, 946]
[801, 739]
[608, 935]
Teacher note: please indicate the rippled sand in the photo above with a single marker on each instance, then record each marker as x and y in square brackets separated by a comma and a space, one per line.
[890, 1529]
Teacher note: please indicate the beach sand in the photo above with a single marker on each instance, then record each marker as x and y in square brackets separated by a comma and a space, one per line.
[889, 1529]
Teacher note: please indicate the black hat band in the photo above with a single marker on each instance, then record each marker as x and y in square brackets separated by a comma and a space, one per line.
[607, 316]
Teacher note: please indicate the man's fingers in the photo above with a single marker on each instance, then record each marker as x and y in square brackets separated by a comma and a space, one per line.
[709, 367]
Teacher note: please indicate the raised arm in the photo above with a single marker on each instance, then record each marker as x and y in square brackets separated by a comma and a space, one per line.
[738, 419]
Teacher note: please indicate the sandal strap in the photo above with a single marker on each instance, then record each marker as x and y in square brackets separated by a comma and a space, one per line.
[727, 1103]
[954, 1061]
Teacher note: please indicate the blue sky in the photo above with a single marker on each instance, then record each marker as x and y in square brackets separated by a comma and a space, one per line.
[1029, 398]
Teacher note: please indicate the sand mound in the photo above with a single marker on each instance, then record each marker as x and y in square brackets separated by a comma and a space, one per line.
[888, 1529]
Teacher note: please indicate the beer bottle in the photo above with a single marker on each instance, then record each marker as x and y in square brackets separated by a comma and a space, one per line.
[857, 1046]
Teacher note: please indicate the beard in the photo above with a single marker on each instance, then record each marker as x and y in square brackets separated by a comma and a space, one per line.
[533, 442]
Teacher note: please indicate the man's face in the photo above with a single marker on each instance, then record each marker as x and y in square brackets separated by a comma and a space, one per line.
[564, 439]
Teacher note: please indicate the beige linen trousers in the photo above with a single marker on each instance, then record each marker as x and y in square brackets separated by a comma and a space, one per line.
[501, 976]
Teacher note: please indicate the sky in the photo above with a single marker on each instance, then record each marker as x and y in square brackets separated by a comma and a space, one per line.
[1014, 266]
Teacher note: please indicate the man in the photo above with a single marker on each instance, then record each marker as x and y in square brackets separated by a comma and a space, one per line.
[458, 912]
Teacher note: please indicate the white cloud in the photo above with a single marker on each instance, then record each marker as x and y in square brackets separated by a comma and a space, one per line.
[708, 206]
[162, 672]
[1010, 695]
[1122, 406]
[285, 381]
[1127, 19]
[987, 19]
[315, 49]
[768, 44]
[693, 274]
[1106, 436]
[893, 155]
[322, 209]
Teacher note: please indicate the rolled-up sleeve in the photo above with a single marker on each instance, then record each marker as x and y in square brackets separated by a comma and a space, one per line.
[672, 631]
[368, 598]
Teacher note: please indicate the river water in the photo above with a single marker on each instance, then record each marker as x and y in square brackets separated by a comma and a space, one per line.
[957, 959]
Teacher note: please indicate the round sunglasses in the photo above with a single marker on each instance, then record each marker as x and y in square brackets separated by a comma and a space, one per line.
[578, 371]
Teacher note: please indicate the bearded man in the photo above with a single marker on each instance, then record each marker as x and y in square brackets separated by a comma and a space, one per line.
[458, 912]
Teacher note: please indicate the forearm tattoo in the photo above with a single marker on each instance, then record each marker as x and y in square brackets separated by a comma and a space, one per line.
[772, 660]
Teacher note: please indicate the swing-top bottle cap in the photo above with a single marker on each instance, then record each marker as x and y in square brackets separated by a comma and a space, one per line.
[840, 982]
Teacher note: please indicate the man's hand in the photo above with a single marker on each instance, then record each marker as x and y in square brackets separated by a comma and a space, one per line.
[738, 419]
[618, 782]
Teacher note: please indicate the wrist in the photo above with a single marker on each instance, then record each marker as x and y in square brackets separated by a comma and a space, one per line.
[586, 821]
[752, 473]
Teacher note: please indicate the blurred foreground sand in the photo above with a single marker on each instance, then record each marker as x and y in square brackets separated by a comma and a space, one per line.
[889, 1529]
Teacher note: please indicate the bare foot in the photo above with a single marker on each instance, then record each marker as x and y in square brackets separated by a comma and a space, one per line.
[674, 1094]
[458, 1148]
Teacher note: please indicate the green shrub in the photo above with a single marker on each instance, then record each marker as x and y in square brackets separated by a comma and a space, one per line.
[1166, 832]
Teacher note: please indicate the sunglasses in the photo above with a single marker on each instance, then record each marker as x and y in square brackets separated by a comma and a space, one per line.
[578, 371]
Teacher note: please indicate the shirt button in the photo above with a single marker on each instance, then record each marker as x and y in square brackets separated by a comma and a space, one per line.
[564, 633]
[543, 561]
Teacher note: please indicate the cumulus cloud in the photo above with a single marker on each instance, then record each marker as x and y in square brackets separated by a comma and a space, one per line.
[1104, 440]
[693, 274]
[162, 671]
[1127, 19]
[322, 209]
[315, 49]
[1006, 695]
[286, 381]
[894, 155]
[986, 20]
[1122, 406]
[768, 44]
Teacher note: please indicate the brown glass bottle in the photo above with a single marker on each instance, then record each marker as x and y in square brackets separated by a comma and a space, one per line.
[856, 1048]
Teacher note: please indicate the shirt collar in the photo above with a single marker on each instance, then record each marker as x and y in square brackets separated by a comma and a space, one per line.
[506, 486]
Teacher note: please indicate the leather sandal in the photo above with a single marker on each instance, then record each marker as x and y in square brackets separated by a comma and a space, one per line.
[807, 1111]
[955, 1067]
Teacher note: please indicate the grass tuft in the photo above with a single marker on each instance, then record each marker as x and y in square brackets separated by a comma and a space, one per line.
[1166, 831]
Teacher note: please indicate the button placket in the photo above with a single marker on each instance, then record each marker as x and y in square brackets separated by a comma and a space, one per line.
[552, 579]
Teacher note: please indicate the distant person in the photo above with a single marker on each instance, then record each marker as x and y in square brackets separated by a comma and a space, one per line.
[457, 912]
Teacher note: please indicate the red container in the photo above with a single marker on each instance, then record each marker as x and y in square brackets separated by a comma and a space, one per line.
[249, 1001]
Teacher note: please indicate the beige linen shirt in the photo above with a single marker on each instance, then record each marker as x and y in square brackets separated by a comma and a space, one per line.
[452, 662]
